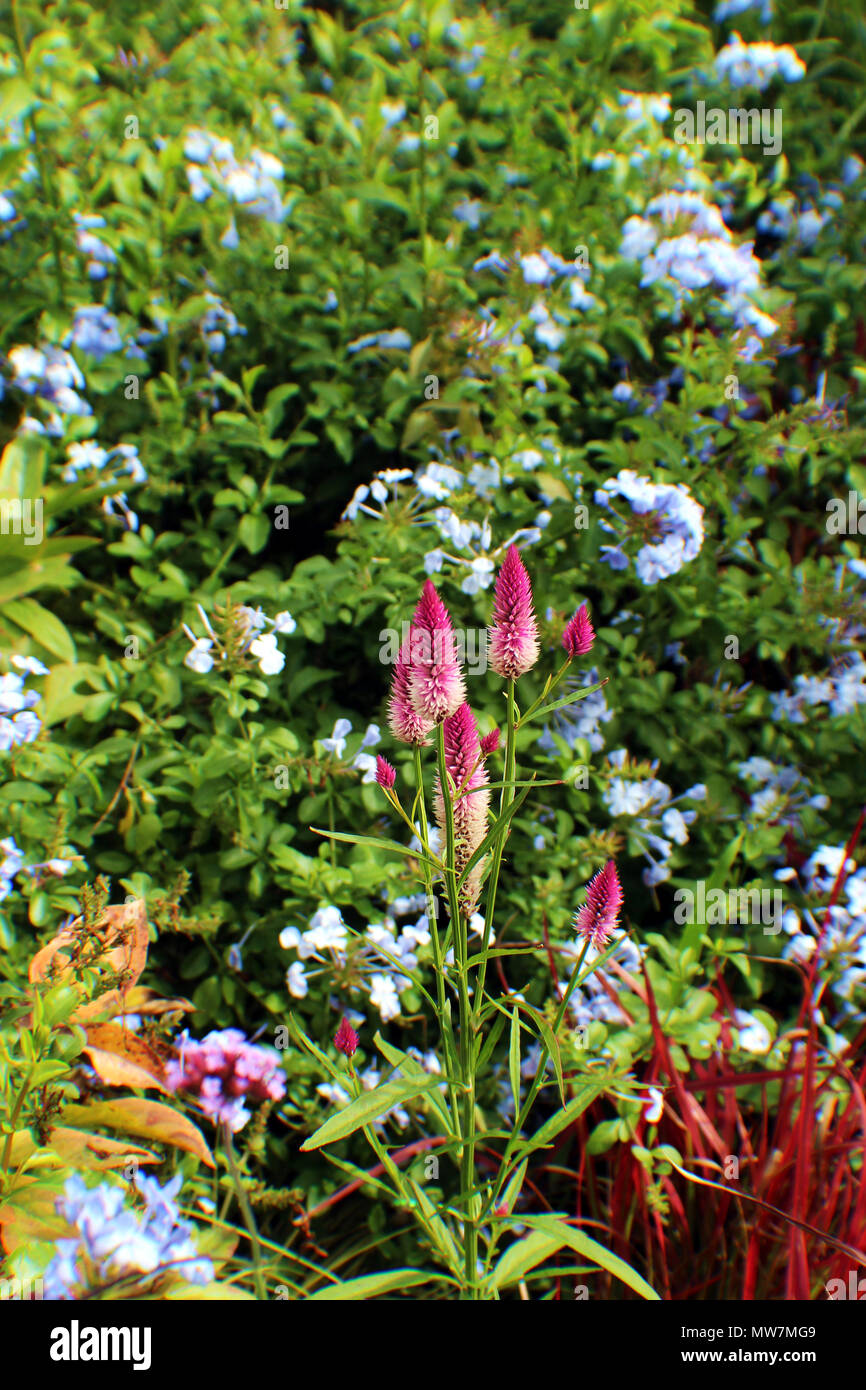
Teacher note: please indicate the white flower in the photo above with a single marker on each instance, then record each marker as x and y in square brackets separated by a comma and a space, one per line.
[654, 1107]
[327, 931]
[297, 981]
[336, 744]
[284, 622]
[271, 659]
[753, 1035]
[366, 763]
[383, 995]
[199, 658]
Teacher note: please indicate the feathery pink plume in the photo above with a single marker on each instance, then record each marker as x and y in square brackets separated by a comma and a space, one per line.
[579, 633]
[436, 686]
[470, 798]
[403, 719]
[346, 1039]
[514, 634]
[386, 775]
[597, 918]
[490, 743]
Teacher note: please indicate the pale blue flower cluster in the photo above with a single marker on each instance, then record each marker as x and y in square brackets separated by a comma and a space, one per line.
[123, 464]
[94, 331]
[115, 1245]
[255, 641]
[253, 183]
[435, 482]
[677, 526]
[16, 701]
[700, 255]
[729, 9]
[841, 928]
[100, 255]
[756, 64]
[841, 691]
[782, 792]
[54, 376]
[581, 720]
[652, 807]
[379, 958]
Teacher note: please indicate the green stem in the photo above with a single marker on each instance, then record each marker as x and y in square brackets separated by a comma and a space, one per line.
[247, 1213]
[506, 797]
[13, 1119]
[461, 955]
[432, 918]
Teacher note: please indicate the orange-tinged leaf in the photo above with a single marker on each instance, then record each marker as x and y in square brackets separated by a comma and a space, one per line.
[30, 1214]
[121, 1058]
[83, 1150]
[148, 1119]
[141, 1000]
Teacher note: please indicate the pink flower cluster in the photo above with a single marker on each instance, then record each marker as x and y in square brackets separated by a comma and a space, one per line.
[428, 689]
[223, 1071]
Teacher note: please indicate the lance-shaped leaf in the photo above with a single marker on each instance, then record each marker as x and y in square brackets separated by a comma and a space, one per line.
[369, 1107]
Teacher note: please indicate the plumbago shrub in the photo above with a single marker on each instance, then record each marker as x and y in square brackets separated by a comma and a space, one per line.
[504, 941]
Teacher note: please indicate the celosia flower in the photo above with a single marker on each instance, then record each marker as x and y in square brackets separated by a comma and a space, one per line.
[346, 1039]
[514, 634]
[490, 743]
[579, 633]
[470, 799]
[404, 721]
[222, 1071]
[436, 686]
[597, 918]
[385, 773]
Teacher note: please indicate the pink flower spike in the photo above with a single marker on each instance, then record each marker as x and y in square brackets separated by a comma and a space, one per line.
[385, 773]
[436, 686]
[346, 1039]
[514, 634]
[470, 799]
[404, 721]
[597, 918]
[579, 633]
[490, 743]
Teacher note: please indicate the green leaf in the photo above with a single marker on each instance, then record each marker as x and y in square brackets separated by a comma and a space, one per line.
[371, 1285]
[374, 841]
[559, 704]
[47, 630]
[514, 1058]
[563, 1118]
[410, 1067]
[493, 832]
[369, 1107]
[551, 1233]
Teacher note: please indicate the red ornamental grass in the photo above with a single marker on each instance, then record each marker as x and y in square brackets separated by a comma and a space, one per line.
[514, 634]
[598, 917]
[346, 1039]
[405, 722]
[436, 686]
[471, 798]
[579, 633]
[385, 773]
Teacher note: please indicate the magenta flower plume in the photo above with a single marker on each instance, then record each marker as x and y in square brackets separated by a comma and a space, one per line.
[470, 797]
[579, 633]
[597, 918]
[346, 1039]
[404, 721]
[385, 773]
[514, 634]
[436, 686]
[490, 743]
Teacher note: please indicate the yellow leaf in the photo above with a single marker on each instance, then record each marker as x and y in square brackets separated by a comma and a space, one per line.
[121, 1058]
[149, 1119]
